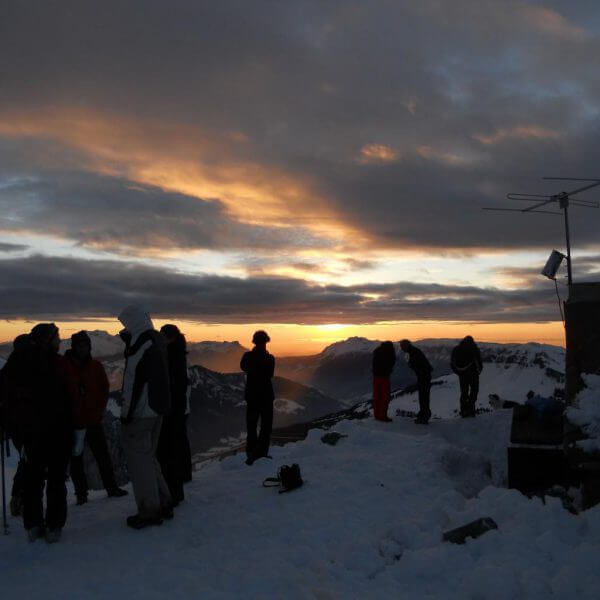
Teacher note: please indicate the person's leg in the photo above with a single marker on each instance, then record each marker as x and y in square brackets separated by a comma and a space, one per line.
[376, 398]
[33, 478]
[252, 414]
[164, 496]
[97, 443]
[179, 457]
[166, 455]
[266, 426]
[186, 453]
[386, 396]
[78, 478]
[424, 385]
[463, 381]
[18, 488]
[139, 451]
[59, 451]
[473, 392]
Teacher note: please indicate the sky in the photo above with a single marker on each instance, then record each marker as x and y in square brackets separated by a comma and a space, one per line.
[316, 168]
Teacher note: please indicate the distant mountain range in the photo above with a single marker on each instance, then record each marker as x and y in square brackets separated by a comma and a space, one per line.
[337, 381]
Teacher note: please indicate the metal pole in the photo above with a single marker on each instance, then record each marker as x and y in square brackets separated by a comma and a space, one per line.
[564, 204]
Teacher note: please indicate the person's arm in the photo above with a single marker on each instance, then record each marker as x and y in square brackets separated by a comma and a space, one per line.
[104, 384]
[245, 362]
[156, 373]
[271, 366]
[478, 359]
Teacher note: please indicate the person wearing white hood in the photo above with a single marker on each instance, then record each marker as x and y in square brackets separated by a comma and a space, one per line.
[146, 398]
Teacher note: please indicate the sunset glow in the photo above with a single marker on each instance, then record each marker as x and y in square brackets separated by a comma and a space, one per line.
[321, 176]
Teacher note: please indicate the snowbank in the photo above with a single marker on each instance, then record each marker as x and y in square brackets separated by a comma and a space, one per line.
[367, 524]
[586, 413]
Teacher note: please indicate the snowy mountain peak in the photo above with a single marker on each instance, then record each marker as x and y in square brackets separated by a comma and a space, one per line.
[353, 345]
[221, 347]
[104, 344]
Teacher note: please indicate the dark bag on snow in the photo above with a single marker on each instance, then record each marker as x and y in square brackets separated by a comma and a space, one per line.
[288, 478]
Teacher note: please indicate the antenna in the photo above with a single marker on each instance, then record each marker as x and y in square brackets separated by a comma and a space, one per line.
[563, 200]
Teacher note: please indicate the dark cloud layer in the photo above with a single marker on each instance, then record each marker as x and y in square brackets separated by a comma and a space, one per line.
[113, 213]
[5, 247]
[474, 98]
[394, 121]
[39, 287]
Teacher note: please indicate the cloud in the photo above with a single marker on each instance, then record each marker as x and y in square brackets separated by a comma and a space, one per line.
[39, 287]
[113, 213]
[249, 120]
[5, 247]
[520, 132]
[377, 153]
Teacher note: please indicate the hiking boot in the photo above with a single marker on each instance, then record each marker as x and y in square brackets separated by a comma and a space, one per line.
[34, 533]
[81, 499]
[116, 492]
[53, 535]
[421, 421]
[384, 419]
[16, 506]
[250, 460]
[139, 522]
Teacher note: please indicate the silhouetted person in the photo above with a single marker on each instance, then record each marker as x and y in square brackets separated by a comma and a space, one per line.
[146, 398]
[41, 417]
[22, 344]
[422, 368]
[171, 452]
[259, 367]
[384, 359]
[466, 363]
[88, 388]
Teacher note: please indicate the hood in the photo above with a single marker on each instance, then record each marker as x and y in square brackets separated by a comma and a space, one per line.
[136, 320]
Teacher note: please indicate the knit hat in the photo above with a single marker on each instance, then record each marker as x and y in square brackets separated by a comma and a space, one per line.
[44, 333]
[81, 337]
[21, 341]
[260, 337]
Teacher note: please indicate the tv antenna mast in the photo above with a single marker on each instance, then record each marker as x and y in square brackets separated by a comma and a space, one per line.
[562, 200]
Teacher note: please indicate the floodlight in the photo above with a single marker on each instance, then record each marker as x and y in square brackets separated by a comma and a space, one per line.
[552, 264]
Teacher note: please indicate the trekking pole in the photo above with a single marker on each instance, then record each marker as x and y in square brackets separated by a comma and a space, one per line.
[2, 447]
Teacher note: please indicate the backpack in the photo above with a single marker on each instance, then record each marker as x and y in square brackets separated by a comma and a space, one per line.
[288, 478]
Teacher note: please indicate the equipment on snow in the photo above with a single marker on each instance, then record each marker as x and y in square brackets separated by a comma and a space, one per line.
[473, 530]
[289, 478]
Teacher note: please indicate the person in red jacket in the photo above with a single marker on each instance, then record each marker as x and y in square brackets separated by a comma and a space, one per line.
[384, 359]
[88, 390]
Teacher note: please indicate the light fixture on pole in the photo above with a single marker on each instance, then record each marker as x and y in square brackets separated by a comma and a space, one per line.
[563, 200]
[553, 264]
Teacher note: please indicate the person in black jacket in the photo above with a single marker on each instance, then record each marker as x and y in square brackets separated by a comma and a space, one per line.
[418, 362]
[40, 416]
[22, 345]
[171, 451]
[384, 359]
[259, 367]
[466, 363]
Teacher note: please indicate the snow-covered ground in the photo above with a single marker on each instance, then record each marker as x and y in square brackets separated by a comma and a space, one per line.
[367, 524]
[510, 382]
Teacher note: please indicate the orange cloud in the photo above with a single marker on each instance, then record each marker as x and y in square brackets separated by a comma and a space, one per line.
[551, 22]
[521, 132]
[187, 160]
[377, 153]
